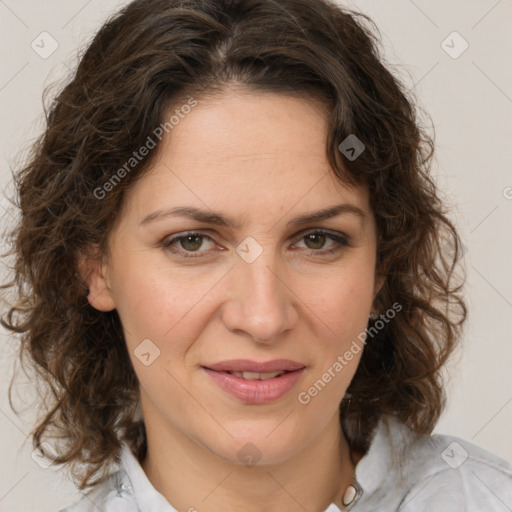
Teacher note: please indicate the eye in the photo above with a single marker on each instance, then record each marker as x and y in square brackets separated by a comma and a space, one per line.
[315, 240]
[189, 242]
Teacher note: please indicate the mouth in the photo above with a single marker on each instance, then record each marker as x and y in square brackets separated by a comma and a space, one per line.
[253, 382]
[248, 366]
[257, 376]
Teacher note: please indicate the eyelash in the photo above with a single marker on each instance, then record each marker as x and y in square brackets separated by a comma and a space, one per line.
[341, 241]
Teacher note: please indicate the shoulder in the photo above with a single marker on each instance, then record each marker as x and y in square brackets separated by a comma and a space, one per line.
[111, 495]
[444, 472]
[408, 472]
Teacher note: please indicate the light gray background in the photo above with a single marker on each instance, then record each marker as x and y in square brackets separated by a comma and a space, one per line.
[470, 101]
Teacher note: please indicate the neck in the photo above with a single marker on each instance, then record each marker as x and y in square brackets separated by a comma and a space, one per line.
[191, 477]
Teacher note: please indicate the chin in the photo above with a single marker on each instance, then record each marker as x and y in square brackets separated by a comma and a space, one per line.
[263, 446]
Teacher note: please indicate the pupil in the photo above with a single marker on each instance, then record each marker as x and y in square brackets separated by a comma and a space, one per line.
[193, 246]
[319, 238]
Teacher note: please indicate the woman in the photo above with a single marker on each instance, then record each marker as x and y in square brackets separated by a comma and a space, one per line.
[234, 273]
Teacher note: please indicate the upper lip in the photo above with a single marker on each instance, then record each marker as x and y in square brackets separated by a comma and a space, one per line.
[246, 365]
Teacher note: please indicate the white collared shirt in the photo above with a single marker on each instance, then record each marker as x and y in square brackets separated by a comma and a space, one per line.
[402, 471]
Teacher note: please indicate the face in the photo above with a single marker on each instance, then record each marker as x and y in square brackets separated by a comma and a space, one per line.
[247, 279]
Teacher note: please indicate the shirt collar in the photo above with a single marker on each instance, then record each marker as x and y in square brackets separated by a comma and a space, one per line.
[147, 497]
[382, 467]
[386, 450]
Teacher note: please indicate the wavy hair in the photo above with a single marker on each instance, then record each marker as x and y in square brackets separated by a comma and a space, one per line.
[148, 57]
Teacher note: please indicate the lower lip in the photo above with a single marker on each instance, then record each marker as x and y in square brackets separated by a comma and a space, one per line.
[255, 391]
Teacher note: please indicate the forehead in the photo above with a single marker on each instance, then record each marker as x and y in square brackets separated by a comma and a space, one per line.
[238, 128]
[249, 154]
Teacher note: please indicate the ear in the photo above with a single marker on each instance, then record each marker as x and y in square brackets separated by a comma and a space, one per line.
[95, 274]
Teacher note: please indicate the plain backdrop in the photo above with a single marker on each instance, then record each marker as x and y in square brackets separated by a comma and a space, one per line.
[468, 94]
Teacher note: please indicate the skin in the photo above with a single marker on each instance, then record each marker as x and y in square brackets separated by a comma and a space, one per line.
[260, 159]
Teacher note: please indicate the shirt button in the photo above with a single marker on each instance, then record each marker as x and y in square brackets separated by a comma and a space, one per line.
[349, 496]
[123, 490]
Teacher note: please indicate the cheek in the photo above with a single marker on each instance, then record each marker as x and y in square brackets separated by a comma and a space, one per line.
[156, 302]
[342, 307]
[345, 300]
[161, 315]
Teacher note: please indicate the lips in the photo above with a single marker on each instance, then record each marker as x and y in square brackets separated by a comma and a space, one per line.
[246, 365]
[256, 375]
[256, 382]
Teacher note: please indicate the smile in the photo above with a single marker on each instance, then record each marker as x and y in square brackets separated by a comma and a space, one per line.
[257, 376]
[255, 387]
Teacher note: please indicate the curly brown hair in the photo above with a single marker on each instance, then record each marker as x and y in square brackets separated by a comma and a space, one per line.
[149, 56]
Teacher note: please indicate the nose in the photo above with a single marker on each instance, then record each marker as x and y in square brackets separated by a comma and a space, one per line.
[262, 304]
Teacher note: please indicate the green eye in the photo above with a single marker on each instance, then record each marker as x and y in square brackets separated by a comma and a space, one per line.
[187, 244]
[316, 240]
[191, 242]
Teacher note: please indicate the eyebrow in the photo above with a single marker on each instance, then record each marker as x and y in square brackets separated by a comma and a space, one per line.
[219, 219]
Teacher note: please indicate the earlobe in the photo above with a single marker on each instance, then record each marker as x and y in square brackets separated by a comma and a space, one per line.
[95, 276]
